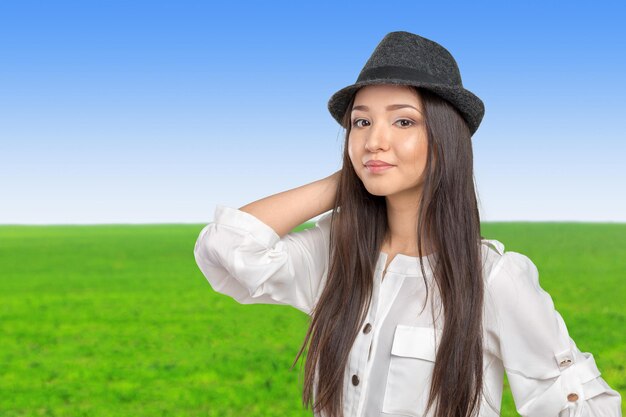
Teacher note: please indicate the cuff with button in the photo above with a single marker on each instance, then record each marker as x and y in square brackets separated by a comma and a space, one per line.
[566, 397]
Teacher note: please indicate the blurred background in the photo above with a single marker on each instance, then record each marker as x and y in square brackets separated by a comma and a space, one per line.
[124, 123]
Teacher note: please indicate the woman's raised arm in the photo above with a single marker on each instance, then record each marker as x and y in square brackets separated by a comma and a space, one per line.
[288, 209]
[251, 255]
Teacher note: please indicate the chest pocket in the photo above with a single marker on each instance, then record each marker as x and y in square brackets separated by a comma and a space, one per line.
[410, 370]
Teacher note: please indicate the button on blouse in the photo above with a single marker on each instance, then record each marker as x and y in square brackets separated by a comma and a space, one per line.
[524, 336]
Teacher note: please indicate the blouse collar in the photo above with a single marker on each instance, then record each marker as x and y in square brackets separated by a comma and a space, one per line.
[407, 265]
[410, 265]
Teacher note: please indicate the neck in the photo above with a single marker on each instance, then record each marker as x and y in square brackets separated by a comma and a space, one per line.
[402, 220]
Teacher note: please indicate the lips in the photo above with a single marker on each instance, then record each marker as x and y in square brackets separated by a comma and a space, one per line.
[377, 164]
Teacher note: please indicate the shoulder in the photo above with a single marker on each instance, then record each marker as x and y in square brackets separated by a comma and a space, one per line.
[491, 252]
[498, 262]
[513, 281]
[514, 298]
[510, 276]
[324, 222]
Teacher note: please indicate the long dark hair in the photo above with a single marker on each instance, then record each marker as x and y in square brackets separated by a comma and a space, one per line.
[448, 216]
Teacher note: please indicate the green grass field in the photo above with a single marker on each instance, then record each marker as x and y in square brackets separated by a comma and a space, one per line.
[118, 320]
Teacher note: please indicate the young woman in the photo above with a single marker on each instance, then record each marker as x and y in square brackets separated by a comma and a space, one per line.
[404, 234]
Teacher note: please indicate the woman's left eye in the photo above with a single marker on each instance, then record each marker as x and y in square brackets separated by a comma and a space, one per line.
[409, 122]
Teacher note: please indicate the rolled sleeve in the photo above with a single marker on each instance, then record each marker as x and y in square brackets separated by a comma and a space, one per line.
[245, 259]
[547, 373]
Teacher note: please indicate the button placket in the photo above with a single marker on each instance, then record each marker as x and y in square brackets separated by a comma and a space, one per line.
[357, 368]
[366, 330]
[355, 380]
[356, 397]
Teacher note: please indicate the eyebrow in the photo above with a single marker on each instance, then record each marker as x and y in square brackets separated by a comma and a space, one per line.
[389, 107]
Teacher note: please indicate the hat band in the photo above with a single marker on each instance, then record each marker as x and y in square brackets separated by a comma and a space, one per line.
[403, 73]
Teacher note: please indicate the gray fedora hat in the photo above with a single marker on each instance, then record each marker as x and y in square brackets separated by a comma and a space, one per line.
[408, 59]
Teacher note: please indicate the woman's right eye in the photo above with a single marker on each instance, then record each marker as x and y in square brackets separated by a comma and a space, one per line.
[356, 122]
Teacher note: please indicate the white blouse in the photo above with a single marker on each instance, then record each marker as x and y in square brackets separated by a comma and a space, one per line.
[524, 335]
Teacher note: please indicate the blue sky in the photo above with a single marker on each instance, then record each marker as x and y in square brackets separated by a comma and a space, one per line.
[150, 112]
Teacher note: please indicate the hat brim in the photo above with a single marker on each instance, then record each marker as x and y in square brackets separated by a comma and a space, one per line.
[467, 103]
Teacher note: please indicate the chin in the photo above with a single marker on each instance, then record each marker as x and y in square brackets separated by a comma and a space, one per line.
[377, 191]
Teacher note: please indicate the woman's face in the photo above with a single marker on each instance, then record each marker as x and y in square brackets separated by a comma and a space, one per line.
[387, 124]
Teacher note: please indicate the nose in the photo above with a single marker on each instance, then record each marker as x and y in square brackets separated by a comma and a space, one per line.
[377, 137]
